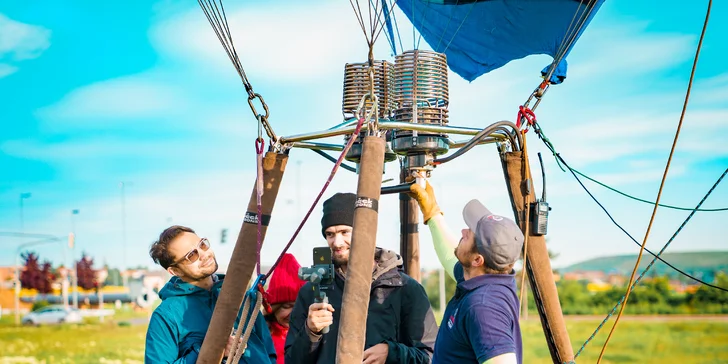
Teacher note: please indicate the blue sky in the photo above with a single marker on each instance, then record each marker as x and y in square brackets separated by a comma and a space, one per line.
[141, 92]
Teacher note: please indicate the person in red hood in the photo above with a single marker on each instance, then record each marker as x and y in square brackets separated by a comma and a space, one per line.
[282, 291]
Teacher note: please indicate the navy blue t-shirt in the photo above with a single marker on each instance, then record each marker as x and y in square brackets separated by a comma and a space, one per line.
[480, 321]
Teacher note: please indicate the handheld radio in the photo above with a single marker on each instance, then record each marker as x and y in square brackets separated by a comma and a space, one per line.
[540, 209]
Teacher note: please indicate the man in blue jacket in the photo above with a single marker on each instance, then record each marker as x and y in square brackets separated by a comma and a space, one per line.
[178, 326]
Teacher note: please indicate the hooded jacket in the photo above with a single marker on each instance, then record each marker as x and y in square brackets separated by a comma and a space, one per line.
[178, 326]
[399, 315]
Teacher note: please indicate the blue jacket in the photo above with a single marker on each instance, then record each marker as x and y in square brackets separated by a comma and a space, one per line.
[178, 326]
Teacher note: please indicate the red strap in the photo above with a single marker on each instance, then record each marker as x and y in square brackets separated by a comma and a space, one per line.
[266, 305]
[259, 143]
[528, 115]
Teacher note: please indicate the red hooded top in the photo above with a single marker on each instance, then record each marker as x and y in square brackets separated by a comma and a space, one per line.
[283, 287]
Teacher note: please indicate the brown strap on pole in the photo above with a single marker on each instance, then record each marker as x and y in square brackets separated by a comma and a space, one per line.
[538, 265]
[355, 305]
[409, 236]
[242, 261]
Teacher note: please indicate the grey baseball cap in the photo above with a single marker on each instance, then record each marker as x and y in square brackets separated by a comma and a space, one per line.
[499, 239]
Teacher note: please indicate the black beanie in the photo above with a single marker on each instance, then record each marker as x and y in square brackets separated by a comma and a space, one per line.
[338, 210]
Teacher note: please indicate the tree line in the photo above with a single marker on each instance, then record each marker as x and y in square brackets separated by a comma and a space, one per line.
[40, 276]
[651, 296]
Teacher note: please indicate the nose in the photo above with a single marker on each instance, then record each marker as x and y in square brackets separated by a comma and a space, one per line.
[339, 241]
[205, 254]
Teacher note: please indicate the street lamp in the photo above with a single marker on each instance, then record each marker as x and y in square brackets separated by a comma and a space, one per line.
[72, 245]
[23, 196]
[123, 185]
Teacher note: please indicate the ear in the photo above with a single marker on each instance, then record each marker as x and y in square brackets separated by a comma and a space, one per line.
[172, 271]
[478, 261]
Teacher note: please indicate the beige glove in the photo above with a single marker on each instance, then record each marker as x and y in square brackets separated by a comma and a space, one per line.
[426, 199]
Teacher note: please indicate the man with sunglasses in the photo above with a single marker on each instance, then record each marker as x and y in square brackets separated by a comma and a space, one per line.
[178, 326]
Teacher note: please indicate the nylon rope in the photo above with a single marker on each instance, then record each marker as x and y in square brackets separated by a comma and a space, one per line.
[526, 230]
[571, 39]
[240, 350]
[649, 266]
[662, 183]
[241, 325]
[326, 185]
[560, 160]
[259, 186]
[643, 200]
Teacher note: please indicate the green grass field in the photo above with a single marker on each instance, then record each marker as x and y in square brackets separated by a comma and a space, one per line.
[637, 340]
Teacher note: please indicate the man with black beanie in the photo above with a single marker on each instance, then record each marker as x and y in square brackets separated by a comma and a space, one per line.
[400, 325]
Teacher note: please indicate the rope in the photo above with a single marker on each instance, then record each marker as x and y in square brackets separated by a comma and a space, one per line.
[241, 324]
[662, 183]
[565, 166]
[332, 159]
[218, 21]
[560, 160]
[526, 230]
[326, 185]
[570, 39]
[259, 199]
[396, 26]
[653, 262]
[459, 27]
[646, 201]
[239, 345]
[374, 22]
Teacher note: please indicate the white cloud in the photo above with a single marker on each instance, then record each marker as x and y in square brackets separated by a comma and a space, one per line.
[629, 50]
[298, 42]
[19, 41]
[129, 98]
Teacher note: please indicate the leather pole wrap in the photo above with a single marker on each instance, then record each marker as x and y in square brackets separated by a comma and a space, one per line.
[538, 265]
[409, 236]
[242, 261]
[355, 305]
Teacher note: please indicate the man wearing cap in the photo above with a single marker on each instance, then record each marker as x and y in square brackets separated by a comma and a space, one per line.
[480, 323]
[400, 325]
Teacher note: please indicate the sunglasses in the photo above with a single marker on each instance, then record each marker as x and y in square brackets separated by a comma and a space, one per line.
[194, 254]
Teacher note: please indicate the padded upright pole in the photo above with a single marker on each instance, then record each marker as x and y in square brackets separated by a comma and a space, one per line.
[538, 264]
[242, 261]
[355, 305]
[409, 236]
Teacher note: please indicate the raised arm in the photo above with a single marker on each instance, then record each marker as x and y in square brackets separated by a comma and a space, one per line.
[443, 239]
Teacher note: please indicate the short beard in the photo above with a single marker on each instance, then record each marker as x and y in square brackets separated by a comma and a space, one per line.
[203, 275]
[465, 263]
[340, 262]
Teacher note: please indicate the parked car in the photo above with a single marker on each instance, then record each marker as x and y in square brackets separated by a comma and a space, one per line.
[56, 314]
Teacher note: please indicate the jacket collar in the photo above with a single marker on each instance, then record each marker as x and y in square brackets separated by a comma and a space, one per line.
[386, 271]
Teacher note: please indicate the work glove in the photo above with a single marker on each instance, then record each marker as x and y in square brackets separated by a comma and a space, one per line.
[426, 199]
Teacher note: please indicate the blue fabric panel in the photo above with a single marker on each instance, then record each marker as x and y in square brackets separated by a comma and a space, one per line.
[480, 36]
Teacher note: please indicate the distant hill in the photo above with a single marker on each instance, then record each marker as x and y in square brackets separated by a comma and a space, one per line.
[699, 264]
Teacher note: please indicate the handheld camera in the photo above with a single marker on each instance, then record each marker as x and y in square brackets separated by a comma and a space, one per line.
[320, 274]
